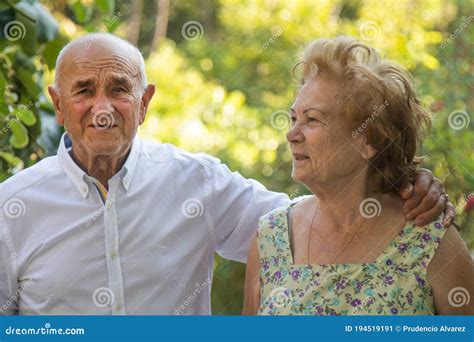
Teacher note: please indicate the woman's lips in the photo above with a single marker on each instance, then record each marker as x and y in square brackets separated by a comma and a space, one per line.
[299, 157]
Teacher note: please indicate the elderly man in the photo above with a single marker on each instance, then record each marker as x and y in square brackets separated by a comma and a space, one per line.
[114, 225]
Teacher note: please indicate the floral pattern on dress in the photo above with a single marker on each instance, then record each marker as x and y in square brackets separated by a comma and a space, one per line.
[394, 284]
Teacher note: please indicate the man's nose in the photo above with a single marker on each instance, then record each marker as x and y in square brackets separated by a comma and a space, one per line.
[102, 103]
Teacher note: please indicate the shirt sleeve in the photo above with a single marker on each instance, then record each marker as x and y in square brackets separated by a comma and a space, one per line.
[235, 206]
[8, 280]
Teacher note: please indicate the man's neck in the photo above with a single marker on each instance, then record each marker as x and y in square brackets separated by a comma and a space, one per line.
[101, 168]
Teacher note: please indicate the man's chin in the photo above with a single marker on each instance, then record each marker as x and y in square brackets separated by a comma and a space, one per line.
[105, 146]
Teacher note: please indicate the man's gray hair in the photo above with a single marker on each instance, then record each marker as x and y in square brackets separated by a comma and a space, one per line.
[88, 40]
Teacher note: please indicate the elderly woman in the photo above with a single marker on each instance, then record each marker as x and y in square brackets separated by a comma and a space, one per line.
[356, 124]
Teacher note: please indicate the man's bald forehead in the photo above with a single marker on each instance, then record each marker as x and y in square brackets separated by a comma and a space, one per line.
[95, 45]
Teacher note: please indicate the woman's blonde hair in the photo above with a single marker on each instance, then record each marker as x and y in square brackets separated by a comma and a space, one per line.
[378, 99]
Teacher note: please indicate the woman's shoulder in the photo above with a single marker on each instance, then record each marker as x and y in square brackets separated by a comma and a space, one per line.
[451, 275]
[450, 245]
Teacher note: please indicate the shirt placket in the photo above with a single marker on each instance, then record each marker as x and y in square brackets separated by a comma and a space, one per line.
[114, 267]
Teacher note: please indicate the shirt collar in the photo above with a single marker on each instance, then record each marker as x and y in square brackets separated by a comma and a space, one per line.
[79, 177]
[131, 162]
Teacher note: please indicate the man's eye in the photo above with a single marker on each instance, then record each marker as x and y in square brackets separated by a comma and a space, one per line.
[293, 119]
[119, 90]
[83, 91]
[310, 119]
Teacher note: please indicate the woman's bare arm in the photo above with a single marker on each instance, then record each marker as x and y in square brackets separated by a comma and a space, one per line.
[451, 276]
[252, 280]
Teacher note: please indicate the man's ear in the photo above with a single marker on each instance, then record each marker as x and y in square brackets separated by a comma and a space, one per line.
[146, 98]
[53, 92]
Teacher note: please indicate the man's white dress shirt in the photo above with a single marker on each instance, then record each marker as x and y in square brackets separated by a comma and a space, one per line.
[147, 247]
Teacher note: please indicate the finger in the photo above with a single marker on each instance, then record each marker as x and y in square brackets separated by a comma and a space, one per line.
[428, 202]
[407, 191]
[423, 180]
[449, 214]
[432, 214]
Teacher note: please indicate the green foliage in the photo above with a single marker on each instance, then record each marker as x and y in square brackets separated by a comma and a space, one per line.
[27, 29]
[224, 90]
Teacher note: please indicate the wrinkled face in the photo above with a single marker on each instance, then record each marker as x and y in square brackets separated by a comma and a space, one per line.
[320, 139]
[100, 100]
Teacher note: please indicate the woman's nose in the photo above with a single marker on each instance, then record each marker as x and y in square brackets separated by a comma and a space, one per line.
[294, 134]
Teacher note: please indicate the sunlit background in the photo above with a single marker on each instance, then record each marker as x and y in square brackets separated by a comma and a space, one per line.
[224, 77]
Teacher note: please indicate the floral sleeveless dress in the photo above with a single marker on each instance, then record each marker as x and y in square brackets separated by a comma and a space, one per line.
[395, 284]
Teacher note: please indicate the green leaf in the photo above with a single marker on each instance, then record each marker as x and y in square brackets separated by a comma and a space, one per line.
[106, 6]
[47, 25]
[26, 79]
[19, 138]
[3, 110]
[3, 84]
[25, 115]
[10, 158]
[52, 49]
[81, 13]
[24, 28]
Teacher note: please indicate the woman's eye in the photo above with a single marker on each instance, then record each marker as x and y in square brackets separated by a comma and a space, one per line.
[83, 91]
[293, 119]
[310, 119]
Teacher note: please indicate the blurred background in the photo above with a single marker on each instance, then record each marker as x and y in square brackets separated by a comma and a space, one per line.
[224, 77]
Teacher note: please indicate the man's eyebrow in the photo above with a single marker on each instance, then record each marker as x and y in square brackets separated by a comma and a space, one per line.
[82, 83]
[121, 80]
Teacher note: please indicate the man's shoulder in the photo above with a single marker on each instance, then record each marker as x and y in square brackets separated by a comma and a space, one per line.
[167, 153]
[28, 178]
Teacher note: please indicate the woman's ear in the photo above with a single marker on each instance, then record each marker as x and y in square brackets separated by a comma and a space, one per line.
[366, 150]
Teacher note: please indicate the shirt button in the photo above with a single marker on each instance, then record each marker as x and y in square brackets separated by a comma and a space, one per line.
[113, 255]
[118, 307]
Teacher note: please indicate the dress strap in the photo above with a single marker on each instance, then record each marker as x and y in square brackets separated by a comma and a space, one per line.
[272, 237]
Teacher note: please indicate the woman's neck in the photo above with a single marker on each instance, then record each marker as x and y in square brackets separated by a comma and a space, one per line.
[346, 202]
